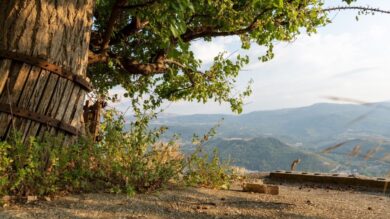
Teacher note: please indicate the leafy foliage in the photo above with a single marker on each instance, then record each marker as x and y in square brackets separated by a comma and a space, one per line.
[21, 167]
[145, 45]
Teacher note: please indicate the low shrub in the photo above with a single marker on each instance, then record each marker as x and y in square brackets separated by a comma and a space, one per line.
[122, 162]
[204, 170]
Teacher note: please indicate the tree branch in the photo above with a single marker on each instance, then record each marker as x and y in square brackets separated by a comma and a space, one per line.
[132, 28]
[174, 62]
[135, 67]
[96, 57]
[132, 66]
[160, 66]
[362, 8]
[140, 5]
[115, 14]
[209, 31]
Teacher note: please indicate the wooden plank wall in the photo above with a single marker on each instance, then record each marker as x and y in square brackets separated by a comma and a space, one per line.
[40, 91]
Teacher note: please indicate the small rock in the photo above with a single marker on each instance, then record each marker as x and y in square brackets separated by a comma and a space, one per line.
[31, 198]
[260, 188]
[223, 199]
[369, 208]
[6, 198]
[205, 207]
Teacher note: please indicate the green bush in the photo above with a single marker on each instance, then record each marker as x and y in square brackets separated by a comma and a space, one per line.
[122, 162]
[205, 171]
[27, 169]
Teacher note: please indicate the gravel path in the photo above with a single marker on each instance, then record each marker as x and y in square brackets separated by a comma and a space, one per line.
[294, 201]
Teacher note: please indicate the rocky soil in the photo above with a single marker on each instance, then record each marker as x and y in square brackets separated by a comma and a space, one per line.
[294, 201]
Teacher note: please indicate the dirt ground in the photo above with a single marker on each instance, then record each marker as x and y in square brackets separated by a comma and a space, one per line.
[294, 201]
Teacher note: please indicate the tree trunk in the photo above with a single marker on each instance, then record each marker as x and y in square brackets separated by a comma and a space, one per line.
[34, 98]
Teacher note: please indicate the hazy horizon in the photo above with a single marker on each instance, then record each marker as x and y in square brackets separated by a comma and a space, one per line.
[370, 104]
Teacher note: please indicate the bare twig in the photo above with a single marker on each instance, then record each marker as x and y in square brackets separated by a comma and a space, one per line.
[372, 152]
[355, 151]
[333, 147]
[350, 100]
[10, 107]
[212, 32]
[361, 8]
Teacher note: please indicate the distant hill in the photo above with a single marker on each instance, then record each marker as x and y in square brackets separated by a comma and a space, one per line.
[307, 130]
[311, 126]
[267, 154]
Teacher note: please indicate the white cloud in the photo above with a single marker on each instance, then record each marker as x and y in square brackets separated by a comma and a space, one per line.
[206, 51]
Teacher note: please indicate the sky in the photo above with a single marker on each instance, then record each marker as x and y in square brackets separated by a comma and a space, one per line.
[347, 58]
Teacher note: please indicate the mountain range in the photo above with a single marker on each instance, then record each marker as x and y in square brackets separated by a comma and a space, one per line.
[312, 127]
[276, 137]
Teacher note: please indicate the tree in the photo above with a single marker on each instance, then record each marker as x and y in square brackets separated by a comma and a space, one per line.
[142, 45]
[44, 51]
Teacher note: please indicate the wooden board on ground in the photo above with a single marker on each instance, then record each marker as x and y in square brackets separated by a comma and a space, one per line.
[359, 182]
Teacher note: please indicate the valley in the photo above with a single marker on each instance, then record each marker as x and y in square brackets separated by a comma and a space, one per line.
[269, 140]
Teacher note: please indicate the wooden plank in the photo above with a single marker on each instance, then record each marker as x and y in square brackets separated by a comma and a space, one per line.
[35, 100]
[57, 107]
[351, 180]
[73, 112]
[62, 86]
[24, 100]
[45, 100]
[77, 117]
[59, 103]
[15, 82]
[18, 76]
[5, 66]
[71, 105]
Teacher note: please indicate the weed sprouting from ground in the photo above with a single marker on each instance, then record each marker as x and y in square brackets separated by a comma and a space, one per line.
[205, 170]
